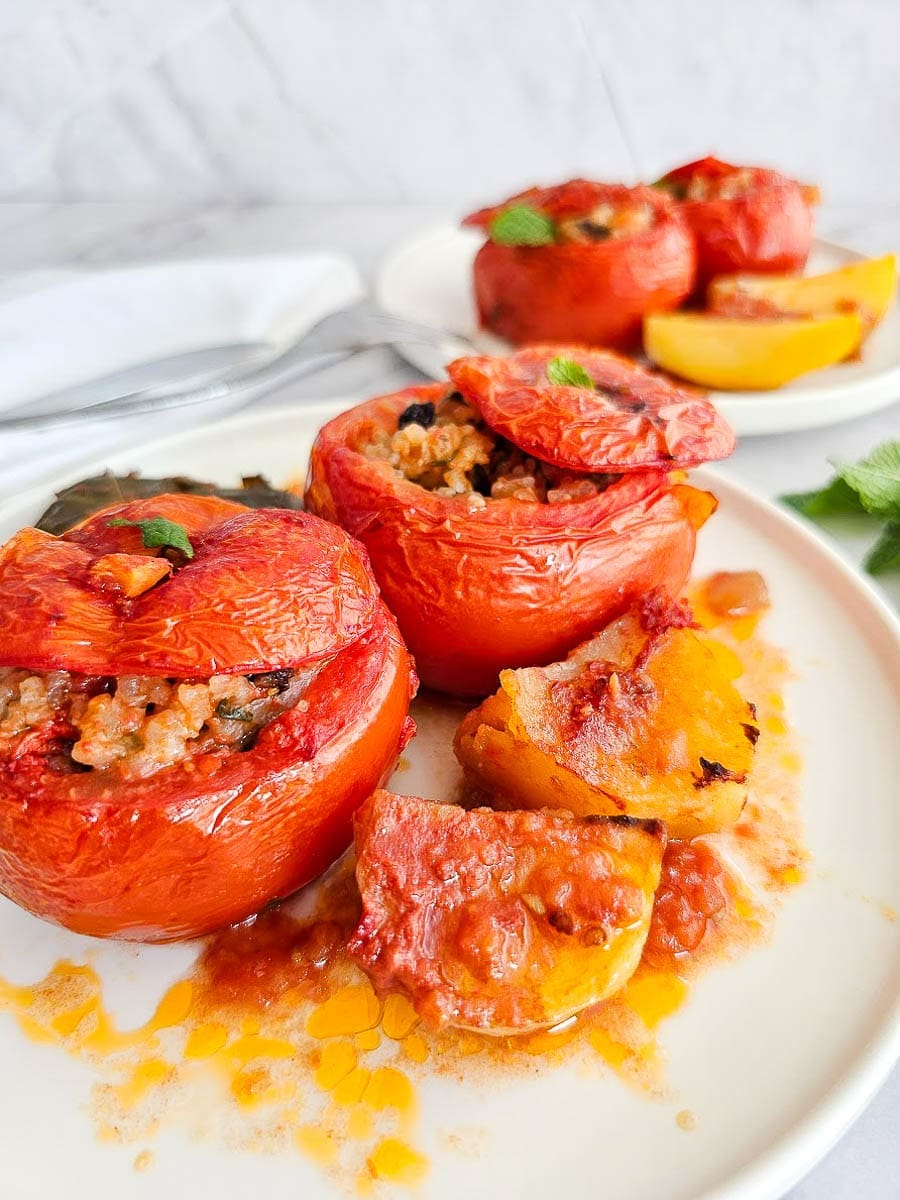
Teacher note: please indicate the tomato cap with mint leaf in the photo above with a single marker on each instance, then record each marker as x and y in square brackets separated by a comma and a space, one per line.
[533, 284]
[593, 410]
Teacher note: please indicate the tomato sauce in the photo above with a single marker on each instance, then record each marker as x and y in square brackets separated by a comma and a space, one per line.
[281, 1041]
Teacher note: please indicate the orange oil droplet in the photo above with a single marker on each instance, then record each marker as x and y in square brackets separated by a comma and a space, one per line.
[317, 1144]
[12, 996]
[352, 1088]
[352, 1009]
[205, 1040]
[34, 1030]
[613, 1052]
[174, 1006]
[389, 1088]
[369, 1039]
[253, 1045]
[145, 1076]
[360, 1124]
[337, 1060]
[144, 1161]
[252, 1087]
[654, 995]
[791, 875]
[415, 1048]
[397, 1162]
[399, 1017]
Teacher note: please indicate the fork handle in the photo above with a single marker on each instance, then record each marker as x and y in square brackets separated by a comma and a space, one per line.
[255, 382]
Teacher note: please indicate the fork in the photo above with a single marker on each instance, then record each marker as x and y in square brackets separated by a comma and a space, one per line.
[335, 337]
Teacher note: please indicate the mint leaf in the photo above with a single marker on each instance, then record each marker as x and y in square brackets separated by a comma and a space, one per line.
[876, 479]
[157, 531]
[565, 373]
[885, 554]
[522, 226]
[835, 499]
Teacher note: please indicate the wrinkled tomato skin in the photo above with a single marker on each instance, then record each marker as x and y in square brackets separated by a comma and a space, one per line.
[191, 849]
[631, 420]
[514, 583]
[769, 229]
[265, 587]
[595, 293]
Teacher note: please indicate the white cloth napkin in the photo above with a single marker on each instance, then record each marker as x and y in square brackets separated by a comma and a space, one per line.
[60, 329]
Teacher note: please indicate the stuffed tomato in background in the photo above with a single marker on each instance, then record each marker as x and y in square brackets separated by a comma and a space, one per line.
[743, 218]
[194, 699]
[581, 262]
[511, 518]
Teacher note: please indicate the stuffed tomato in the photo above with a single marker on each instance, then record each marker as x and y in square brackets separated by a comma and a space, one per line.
[490, 556]
[743, 218]
[194, 699]
[580, 262]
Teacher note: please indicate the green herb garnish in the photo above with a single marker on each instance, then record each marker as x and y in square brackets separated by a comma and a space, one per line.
[870, 489]
[522, 225]
[157, 531]
[885, 554]
[836, 499]
[565, 373]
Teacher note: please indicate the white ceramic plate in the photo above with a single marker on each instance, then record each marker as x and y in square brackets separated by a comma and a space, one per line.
[429, 279]
[775, 1054]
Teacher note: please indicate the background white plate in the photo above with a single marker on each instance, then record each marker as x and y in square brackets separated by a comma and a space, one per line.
[429, 279]
[775, 1054]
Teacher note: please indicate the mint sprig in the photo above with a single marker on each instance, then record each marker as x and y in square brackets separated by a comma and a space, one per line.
[869, 489]
[836, 499]
[564, 372]
[522, 225]
[876, 479]
[157, 531]
[885, 554]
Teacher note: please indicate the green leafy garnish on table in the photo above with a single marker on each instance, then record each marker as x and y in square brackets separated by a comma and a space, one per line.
[564, 372]
[869, 488]
[158, 531]
[522, 225]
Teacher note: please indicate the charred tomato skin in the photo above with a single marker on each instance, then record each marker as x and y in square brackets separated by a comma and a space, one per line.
[510, 584]
[595, 293]
[769, 228]
[201, 844]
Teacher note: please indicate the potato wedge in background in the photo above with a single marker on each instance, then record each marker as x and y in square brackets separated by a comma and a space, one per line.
[501, 922]
[866, 288]
[748, 354]
[641, 722]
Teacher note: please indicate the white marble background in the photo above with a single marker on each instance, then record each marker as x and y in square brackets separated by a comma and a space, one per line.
[411, 100]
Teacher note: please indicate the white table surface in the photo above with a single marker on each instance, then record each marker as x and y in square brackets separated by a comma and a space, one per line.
[865, 1165]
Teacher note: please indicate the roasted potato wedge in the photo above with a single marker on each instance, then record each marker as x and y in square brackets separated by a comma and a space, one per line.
[639, 721]
[501, 922]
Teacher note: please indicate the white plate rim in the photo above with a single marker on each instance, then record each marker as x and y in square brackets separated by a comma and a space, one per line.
[801, 1146]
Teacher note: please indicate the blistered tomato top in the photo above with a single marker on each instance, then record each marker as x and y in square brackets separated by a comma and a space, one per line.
[258, 589]
[620, 418]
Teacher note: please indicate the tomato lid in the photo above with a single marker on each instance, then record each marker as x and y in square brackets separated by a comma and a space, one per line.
[263, 588]
[629, 419]
[576, 198]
